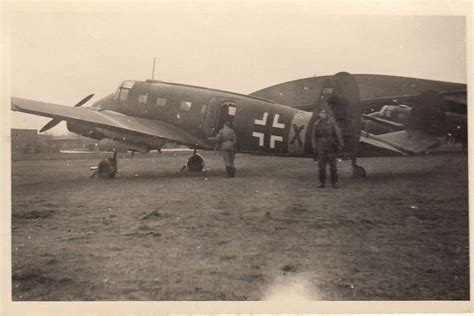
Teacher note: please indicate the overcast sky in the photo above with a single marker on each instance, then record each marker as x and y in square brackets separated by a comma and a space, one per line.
[61, 55]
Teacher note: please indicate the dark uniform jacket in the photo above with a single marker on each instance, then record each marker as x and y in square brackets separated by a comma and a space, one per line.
[226, 138]
[327, 136]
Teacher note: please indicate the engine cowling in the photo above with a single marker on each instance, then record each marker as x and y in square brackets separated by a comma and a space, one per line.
[120, 141]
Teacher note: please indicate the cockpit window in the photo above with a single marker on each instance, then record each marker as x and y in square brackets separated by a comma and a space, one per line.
[123, 95]
[122, 91]
[127, 84]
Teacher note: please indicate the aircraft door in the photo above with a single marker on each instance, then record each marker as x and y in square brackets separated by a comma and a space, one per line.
[218, 111]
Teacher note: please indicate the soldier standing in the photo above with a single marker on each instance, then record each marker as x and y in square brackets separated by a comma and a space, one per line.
[226, 140]
[327, 141]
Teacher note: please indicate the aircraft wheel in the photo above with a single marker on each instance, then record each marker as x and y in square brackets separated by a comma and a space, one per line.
[358, 171]
[195, 163]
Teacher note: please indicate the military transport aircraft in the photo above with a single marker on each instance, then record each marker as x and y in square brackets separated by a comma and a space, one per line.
[145, 115]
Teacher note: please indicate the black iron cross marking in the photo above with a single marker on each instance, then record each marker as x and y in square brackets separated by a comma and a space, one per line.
[297, 129]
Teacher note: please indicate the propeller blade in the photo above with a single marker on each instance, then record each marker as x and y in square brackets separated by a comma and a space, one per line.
[50, 125]
[55, 122]
[84, 100]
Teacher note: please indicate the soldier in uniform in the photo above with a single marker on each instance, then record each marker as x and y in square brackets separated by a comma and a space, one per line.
[226, 140]
[107, 168]
[327, 141]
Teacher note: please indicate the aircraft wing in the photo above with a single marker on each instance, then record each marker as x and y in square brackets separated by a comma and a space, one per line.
[407, 142]
[107, 119]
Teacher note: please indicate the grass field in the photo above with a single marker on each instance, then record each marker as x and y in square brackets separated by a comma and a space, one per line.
[154, 233]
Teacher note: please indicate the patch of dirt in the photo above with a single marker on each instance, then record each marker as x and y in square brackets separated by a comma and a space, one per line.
[156, 234]
[228, 257]
[253, 277]
[29, 283]
[289, 268]
[152, 215]
[34, 214]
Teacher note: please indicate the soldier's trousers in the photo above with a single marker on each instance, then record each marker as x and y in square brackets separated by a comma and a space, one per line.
[326, 158]
[229, 156]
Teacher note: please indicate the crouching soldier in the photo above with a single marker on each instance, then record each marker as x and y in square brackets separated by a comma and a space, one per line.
[327, 141]
[107, 168]
[226, 140]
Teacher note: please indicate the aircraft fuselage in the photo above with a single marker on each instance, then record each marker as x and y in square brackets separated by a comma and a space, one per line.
[262, 126]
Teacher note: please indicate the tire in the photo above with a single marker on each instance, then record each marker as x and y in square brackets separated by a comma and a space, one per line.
[195, 163]
[358, 171]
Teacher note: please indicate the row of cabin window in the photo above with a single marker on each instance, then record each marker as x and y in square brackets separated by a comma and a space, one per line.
[143, 98]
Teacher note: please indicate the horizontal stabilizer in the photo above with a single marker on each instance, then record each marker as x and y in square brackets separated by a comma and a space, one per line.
[406, 142]
[384, 122]
[372, 140]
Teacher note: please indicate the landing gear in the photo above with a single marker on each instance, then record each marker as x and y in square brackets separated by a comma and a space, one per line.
[195, 163]
[352, 145]
[107, 168]
[357, 171]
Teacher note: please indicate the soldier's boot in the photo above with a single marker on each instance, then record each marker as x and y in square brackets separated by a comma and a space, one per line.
[322, 178]
[233, 170]
[229, 171]
[334, 179]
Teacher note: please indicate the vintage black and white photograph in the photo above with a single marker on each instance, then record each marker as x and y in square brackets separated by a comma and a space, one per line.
[240, 151]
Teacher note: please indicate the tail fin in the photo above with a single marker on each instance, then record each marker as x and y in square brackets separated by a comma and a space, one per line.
[340, 93]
